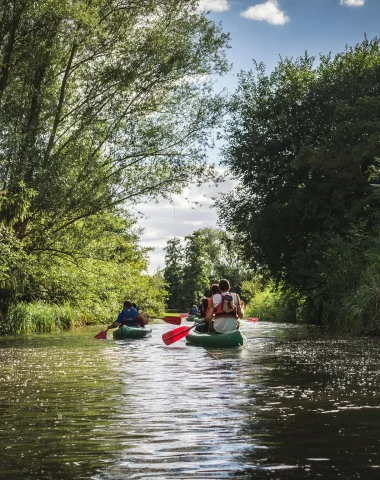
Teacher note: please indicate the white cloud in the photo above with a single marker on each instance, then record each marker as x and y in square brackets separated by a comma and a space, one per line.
[214, 5]
[164, 221]
[352, 3]
[267, 12]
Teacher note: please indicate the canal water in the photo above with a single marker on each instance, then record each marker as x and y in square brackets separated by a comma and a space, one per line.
[295, 404]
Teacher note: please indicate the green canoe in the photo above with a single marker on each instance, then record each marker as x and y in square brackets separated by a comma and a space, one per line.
[217, 340]
[131, 332]
[193, 318]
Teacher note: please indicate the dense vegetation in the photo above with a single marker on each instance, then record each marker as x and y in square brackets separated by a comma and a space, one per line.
[107, 103]
[302, 142]
[205, 257]
[103, 104]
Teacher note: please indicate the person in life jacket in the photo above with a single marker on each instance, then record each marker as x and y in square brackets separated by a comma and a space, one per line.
[225, 309]
[130, 317]
[135, 306]
[193, 310]
[203, 306]
[206, 325]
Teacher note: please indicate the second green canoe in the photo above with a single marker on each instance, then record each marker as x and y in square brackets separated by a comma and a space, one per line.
[131, 332]
[217, 340]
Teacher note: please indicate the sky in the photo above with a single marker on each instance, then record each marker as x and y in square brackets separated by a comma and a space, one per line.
[264, 30]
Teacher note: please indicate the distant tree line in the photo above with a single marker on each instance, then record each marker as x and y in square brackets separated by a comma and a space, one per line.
[203, 258]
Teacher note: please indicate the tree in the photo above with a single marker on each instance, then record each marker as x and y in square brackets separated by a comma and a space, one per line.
[195, 271]
[300, 142]
[209, 254]
[101, 105]
[173, 273]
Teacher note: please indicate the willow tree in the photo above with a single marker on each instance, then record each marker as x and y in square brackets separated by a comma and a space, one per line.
[103, 103]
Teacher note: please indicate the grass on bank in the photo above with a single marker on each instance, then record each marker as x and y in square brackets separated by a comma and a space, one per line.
[40, 317]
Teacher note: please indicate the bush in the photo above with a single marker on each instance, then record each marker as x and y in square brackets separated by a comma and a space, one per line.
[40, 317]
[361, 310]
[272, 305]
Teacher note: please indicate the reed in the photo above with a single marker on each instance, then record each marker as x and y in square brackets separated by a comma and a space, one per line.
[272, 305]
[39, 317]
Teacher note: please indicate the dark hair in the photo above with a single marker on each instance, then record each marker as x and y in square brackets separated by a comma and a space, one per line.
[215, 289]
[224, 285]
[134, 305]
[127, 304]
[204, 306]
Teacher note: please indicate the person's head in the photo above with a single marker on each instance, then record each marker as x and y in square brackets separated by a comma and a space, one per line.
[215, 289]
[127, 304]
[224, 285]
[134, 305]
[204, 306]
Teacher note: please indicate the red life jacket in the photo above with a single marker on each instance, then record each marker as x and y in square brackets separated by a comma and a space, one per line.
[227, 307]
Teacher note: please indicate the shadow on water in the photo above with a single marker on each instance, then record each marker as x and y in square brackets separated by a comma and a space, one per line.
[294, 404]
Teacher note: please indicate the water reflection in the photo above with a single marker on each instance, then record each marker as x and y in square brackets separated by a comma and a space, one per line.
[55, 399]
[294, 404]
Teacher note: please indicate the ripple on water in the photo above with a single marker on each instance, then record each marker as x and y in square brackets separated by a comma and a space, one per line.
[294, 404]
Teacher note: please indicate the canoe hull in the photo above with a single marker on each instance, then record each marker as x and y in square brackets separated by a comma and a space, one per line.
[131, 332]
[217, 340]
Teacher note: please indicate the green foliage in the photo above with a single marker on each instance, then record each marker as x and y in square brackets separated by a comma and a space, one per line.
[173, 273]
[207, 255]
[41, 318]
[270, 304]
[301, 142]
[350, 274]
[103, 104]
[107, 270]
[195, 272]
[361, 312]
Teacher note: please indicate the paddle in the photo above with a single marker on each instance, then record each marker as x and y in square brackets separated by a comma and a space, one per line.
[176, 334]
[170, 319]
[101, 335]
[252, 319]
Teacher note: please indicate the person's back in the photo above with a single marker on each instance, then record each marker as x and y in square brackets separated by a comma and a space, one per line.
[225, 308]
[129, 315]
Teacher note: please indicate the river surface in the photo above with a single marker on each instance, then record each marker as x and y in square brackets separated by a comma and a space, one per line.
[294, 404]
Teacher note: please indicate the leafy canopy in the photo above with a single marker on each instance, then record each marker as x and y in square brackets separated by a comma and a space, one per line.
[103, 103]
[301, 141]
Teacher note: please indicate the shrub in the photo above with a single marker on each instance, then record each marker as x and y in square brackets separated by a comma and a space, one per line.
[40, 317]
[272, 304]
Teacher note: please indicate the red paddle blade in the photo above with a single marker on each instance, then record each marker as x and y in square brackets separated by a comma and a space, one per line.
[175, 335]
[184, 315]
[101, 335]
[174, 320]
[252, 319]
